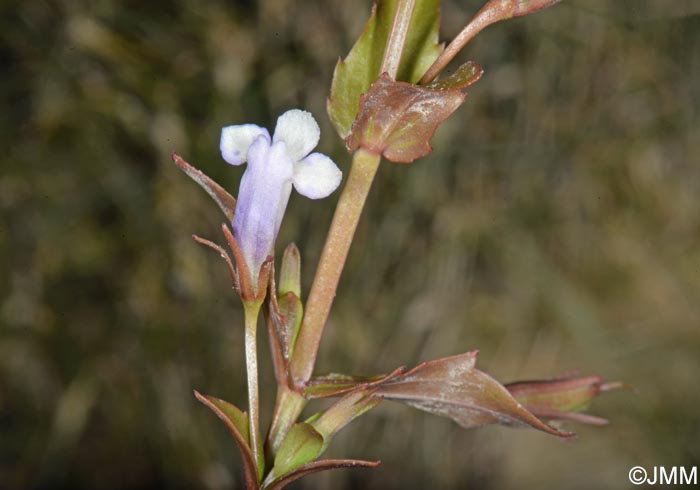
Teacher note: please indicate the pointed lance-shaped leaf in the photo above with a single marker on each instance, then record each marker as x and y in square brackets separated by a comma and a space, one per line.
[562, 398]
[452, 387]
[335, 384]
[226, 202]
[397, 119]
[466, 75]
[318, 466]
[237, 423]
[353, 75]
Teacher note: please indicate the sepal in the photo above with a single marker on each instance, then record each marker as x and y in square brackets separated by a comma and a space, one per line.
[225, 201]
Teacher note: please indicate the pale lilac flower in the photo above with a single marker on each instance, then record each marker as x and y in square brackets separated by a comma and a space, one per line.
[274, 165]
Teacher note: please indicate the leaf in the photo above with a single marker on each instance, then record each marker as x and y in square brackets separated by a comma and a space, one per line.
[334, 384]
[467, 74]
[237, 423]
[398, 119]
[354, 75]
[561, 398]
[300, 446]
[452, 387]
[342, 412]
[317, 466]
[226, 201]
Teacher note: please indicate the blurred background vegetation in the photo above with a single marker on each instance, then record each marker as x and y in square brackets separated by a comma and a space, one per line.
[556, 227]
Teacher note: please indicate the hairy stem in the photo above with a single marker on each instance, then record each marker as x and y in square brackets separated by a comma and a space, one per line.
[335, 251]
[251, 357]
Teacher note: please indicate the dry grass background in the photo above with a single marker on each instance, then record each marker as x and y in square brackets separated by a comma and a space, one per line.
[556, 227]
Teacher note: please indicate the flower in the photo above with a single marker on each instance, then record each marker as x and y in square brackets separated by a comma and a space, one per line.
[274, 166]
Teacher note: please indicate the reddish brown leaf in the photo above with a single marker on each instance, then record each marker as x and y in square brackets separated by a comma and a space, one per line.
[233, 418]
[454, 388]
[561, 398]
[398, 119]
[317, 466]
[335, 384]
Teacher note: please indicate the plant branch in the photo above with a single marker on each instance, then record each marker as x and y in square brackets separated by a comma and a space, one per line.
[397, 38]
[494, 11]
[347, 215]
[335, 251]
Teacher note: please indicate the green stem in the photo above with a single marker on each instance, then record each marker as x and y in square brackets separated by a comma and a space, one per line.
[347, 215]
[397, 37]
[335, 251]
[252, 310]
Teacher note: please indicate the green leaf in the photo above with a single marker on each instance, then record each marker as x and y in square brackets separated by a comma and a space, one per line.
[465, 75]
[301, 445]
[354, 75]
